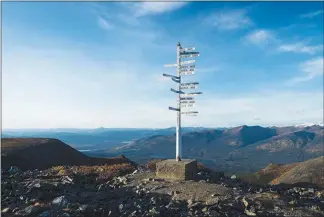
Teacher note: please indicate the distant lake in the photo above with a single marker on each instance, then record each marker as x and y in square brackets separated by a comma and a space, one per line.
[88, 150]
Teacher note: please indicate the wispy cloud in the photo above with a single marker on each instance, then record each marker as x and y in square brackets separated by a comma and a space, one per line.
[149, 8]
[312, 14]
[310, 69]
[260, 37]
[300, 47]
[104, 24]
[230, 20]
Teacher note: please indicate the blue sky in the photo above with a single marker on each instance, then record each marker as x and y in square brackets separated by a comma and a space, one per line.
[87, 64]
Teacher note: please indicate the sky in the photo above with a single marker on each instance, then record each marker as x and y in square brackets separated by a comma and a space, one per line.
[100, 64]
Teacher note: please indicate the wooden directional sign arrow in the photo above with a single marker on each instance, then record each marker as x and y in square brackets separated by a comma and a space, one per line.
[187, 49]
[174, 109]
[187, 98]
[173, 90]
[188, 102]
[187, 105]
[188, 54]
[192, 112]
[186, 67]
[188, 70]
[187, 62]
[176, 80]
[171, 76]
[170, 65]
[192, 94]
[187, 73]
[193, 85]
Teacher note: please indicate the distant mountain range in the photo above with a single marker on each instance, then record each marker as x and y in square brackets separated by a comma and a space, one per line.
[99, 138]
[244, 148]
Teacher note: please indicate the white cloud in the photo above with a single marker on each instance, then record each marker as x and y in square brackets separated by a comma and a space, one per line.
[312, 14]
[260, 37]
[230, 20]
[300, 48]
[272, 108]
[149, 8]
[103, 23]
[311, 69]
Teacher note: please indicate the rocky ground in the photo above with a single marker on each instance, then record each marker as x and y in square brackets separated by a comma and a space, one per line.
[53, 193]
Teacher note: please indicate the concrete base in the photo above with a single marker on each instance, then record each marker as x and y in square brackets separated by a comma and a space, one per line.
[186, 169]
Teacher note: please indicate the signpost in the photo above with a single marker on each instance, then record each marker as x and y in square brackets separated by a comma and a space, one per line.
[184, 100]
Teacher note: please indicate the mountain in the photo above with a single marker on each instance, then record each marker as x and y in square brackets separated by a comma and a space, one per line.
[98, 138]
[244, 148]
[41, 153]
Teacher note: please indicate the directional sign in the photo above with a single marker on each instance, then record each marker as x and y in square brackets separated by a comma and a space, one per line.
[172, 76]
[187, 105]
[189, 85]
[170, 65]
[188, 102]
[176, 80]
[187, 49]
[173, 90]
[187, 73]
[189, 55]
[174, 109]
[187, 62]
[188, 70]
[187, 98]
[192, 112]
[185, 67]
[192, 94]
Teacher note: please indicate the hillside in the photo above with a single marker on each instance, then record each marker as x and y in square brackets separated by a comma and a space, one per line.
[245, 148]
[41, 153]
[311, 171]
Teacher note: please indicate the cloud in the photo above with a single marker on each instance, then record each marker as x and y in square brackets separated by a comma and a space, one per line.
[300, 48]
[150, 8]
[260, 109]
[104, 24]
[230, 20]
[311, 69]
[260, 37]
[312, 14]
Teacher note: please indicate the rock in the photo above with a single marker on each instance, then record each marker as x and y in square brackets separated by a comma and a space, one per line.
[212, 201]
[67, 180]
[245, 202]
[83, 207]
[29, 211]
[66, 214]
[233, 177]
[154, 212]
[45, 214]
[249, 212]
[5, 210]
[13, 170]
[61, 202]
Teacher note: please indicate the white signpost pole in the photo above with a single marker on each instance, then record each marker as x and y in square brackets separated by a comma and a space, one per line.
[178, 128]
[183, 69]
